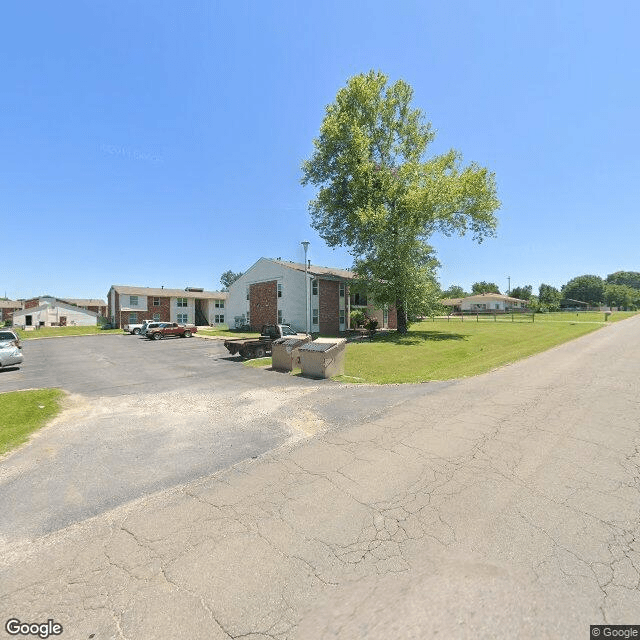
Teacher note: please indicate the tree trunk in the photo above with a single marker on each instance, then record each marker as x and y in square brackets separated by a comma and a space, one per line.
[401, 314]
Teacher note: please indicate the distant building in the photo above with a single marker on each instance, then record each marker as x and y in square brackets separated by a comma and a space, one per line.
[99, 307]
[274, 292]
[133, 305]
[7, 308]
[485, 303]
[52, 312]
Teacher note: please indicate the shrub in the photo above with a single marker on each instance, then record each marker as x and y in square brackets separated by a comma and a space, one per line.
[358, 318]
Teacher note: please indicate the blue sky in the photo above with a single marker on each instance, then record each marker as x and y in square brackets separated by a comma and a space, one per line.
[159, 143]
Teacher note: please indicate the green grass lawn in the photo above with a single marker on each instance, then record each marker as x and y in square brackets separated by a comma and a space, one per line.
[23, 412]
[444, 350]
[56, 332]
[447, 349]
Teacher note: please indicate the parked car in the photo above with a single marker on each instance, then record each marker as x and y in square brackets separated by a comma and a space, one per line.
[10, 355]
[10, 337]
[146, 325]
[171, 329]
[134, 329]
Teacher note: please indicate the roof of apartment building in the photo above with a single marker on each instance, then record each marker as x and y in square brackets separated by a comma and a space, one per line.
[189, 292]
[10, 304]
[59, 303]
[85, 302]
[315, 270]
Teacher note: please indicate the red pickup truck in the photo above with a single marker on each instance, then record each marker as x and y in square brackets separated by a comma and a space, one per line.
[171, 329]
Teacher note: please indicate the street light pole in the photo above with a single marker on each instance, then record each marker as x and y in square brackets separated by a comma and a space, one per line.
[306, 244]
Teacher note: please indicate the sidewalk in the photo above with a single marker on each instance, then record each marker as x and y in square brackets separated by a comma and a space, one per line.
[502, 506]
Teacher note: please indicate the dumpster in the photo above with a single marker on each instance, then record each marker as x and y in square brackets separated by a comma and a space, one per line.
[284, 352]
[323, 358]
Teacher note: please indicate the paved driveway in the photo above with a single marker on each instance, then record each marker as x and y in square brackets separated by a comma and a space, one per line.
[144, 415]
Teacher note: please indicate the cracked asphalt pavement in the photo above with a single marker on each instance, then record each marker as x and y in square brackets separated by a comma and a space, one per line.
[505, 505]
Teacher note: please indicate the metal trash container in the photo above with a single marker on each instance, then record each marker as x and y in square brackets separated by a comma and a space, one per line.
[285, 352]
[323, 358]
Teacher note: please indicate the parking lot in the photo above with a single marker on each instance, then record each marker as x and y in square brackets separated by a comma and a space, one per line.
[142, 416]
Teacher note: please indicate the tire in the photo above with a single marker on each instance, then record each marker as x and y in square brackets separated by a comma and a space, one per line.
[158, 336]
[136, 332]
[260, 352]
[186, 334]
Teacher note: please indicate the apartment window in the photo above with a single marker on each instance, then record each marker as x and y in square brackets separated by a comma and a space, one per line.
[182, 302]
[358, 300]
[314, 317]
[280, 316]
[342, 316]
[133, 318]
[314, 287]
[385, 317]
[219, 304]
[156, 302]
[156, 317]
[279, 291]
[133, 301]
[183, 318]
[248, 293]
[342, 289]
[248, 319]
[218, 318]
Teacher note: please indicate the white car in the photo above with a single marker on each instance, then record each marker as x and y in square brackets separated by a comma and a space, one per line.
[10, 355]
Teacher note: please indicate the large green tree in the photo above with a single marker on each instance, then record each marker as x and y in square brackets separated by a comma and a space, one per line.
[587, 288]
[620, 295]
[628, 278]
[484, 287]
[454, 291]
[522, 293]
[549, 297]
[382, 198]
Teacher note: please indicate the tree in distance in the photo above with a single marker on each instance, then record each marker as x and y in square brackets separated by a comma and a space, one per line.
[379, 196]
[454, 291]
[549, 298]
[628, 278]
[587, 288]
[621, 295]
[522, 293]
[228, 278]
[484, 287]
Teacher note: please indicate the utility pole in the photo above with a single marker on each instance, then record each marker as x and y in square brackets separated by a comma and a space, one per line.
[509, 289]
[306, 244]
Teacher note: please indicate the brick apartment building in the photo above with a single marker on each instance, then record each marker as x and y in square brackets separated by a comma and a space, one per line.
[133, 305]
[274, 291]
[7, 307]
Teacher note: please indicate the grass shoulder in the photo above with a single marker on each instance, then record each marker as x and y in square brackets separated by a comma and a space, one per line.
[24, 412]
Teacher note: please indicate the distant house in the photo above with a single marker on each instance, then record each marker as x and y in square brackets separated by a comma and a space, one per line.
[7, 308]
[274, 291]
[99, 307]
[485, 303]
[53, 312]
[132, 305]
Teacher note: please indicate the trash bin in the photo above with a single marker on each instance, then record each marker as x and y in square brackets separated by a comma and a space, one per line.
[323, 358]
[285, 352]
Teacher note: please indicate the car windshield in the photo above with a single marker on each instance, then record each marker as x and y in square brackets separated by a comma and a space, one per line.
[288, 331]
[6, 335]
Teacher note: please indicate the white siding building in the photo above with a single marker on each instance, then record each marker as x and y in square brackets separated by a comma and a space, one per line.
[54, 313]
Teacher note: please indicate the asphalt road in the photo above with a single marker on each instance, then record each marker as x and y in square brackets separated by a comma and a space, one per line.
[497, 507]
[145, 415]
